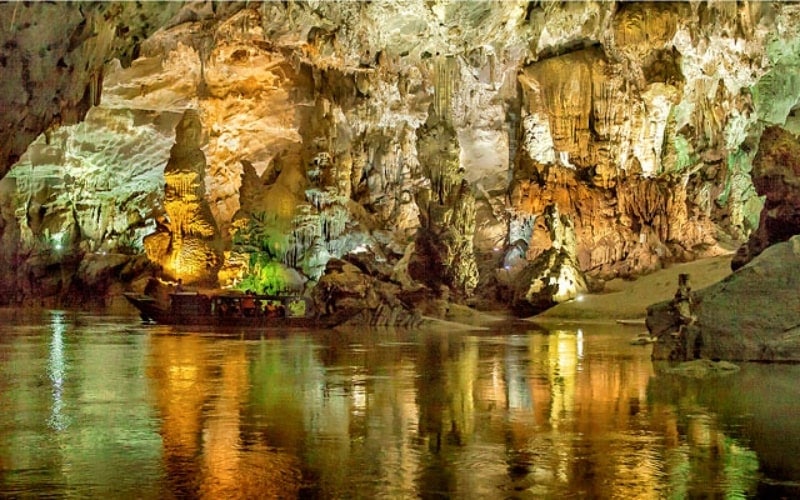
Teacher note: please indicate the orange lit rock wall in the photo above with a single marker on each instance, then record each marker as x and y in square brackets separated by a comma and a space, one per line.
[186, 244]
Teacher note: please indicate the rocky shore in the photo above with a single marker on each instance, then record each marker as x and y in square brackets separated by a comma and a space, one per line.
[752, 315]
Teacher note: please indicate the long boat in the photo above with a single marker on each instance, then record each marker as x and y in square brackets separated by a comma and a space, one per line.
[223, 309]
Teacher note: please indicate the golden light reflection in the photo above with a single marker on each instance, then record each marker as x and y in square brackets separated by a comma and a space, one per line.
[201, 391]
[178, 371]
[562, 375]
[466, 415]
[222, 457]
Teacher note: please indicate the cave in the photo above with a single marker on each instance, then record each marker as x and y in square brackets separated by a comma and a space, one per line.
[410, 167]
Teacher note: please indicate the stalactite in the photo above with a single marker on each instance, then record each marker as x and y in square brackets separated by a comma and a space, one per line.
[98, 92]
[92, 90]
[445, 68]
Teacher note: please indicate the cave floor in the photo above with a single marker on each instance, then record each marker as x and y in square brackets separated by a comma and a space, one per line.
[628, 299]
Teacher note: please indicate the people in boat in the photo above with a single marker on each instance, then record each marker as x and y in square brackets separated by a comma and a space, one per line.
[249, 303]
[329, 297]
[151, 287]
[224, 308]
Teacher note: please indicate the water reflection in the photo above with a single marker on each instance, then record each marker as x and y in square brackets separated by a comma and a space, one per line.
[508, 414]
[56, 369]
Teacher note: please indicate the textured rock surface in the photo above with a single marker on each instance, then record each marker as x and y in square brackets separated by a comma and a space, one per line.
[752, 315]
[550, 272]
[444, 245]
[634, 123]
[91, 191]
[356, 290]
[53, 61]
[186, 244]
[776, 177]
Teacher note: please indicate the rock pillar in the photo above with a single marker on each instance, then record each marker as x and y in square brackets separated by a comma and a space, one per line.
[187, 243]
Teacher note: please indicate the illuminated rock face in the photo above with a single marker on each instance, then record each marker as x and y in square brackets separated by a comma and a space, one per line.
[584, 139]
[80, 200]
[186, 244]
[53, 58]
[546, 274]
[444, 252]
[603, 130]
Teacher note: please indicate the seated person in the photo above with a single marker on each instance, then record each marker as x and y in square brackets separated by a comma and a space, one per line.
[249, 304]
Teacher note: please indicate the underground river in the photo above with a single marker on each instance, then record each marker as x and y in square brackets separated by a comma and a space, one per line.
[105, 406]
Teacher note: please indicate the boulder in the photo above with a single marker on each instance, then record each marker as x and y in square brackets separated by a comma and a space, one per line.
[552, 278]
[752, 315]
[347, 292]
[554, 275]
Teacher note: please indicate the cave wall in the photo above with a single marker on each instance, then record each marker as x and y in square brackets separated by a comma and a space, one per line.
[776, 176]
[633, 125]
[53, 61]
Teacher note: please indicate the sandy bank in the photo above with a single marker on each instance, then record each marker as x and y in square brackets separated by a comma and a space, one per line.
[628, 300]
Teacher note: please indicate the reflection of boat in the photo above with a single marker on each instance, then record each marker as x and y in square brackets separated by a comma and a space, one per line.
[230, 309]
[643, 338]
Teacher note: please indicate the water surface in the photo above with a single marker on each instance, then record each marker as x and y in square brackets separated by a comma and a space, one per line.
[105, 406]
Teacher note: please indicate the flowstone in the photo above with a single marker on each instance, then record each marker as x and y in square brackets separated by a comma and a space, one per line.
[187, 243]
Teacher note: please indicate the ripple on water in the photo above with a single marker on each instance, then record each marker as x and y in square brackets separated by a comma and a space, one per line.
[109, 407]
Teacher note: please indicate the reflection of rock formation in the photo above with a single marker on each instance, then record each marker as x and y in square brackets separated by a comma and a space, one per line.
[180, 383]
[187, 244]
[700, 421]
[201, 425]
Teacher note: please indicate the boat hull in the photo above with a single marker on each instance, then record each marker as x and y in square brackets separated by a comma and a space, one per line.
[191, 309]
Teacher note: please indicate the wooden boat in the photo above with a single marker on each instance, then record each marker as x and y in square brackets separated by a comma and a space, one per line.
[222, 309]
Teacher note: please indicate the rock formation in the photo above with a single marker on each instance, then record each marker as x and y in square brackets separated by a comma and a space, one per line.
[753, 315]
[580, 140]
[358, 291]
[186, 244]
[551, 273]
[776, 177]
[53, 61]
[444, 252]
